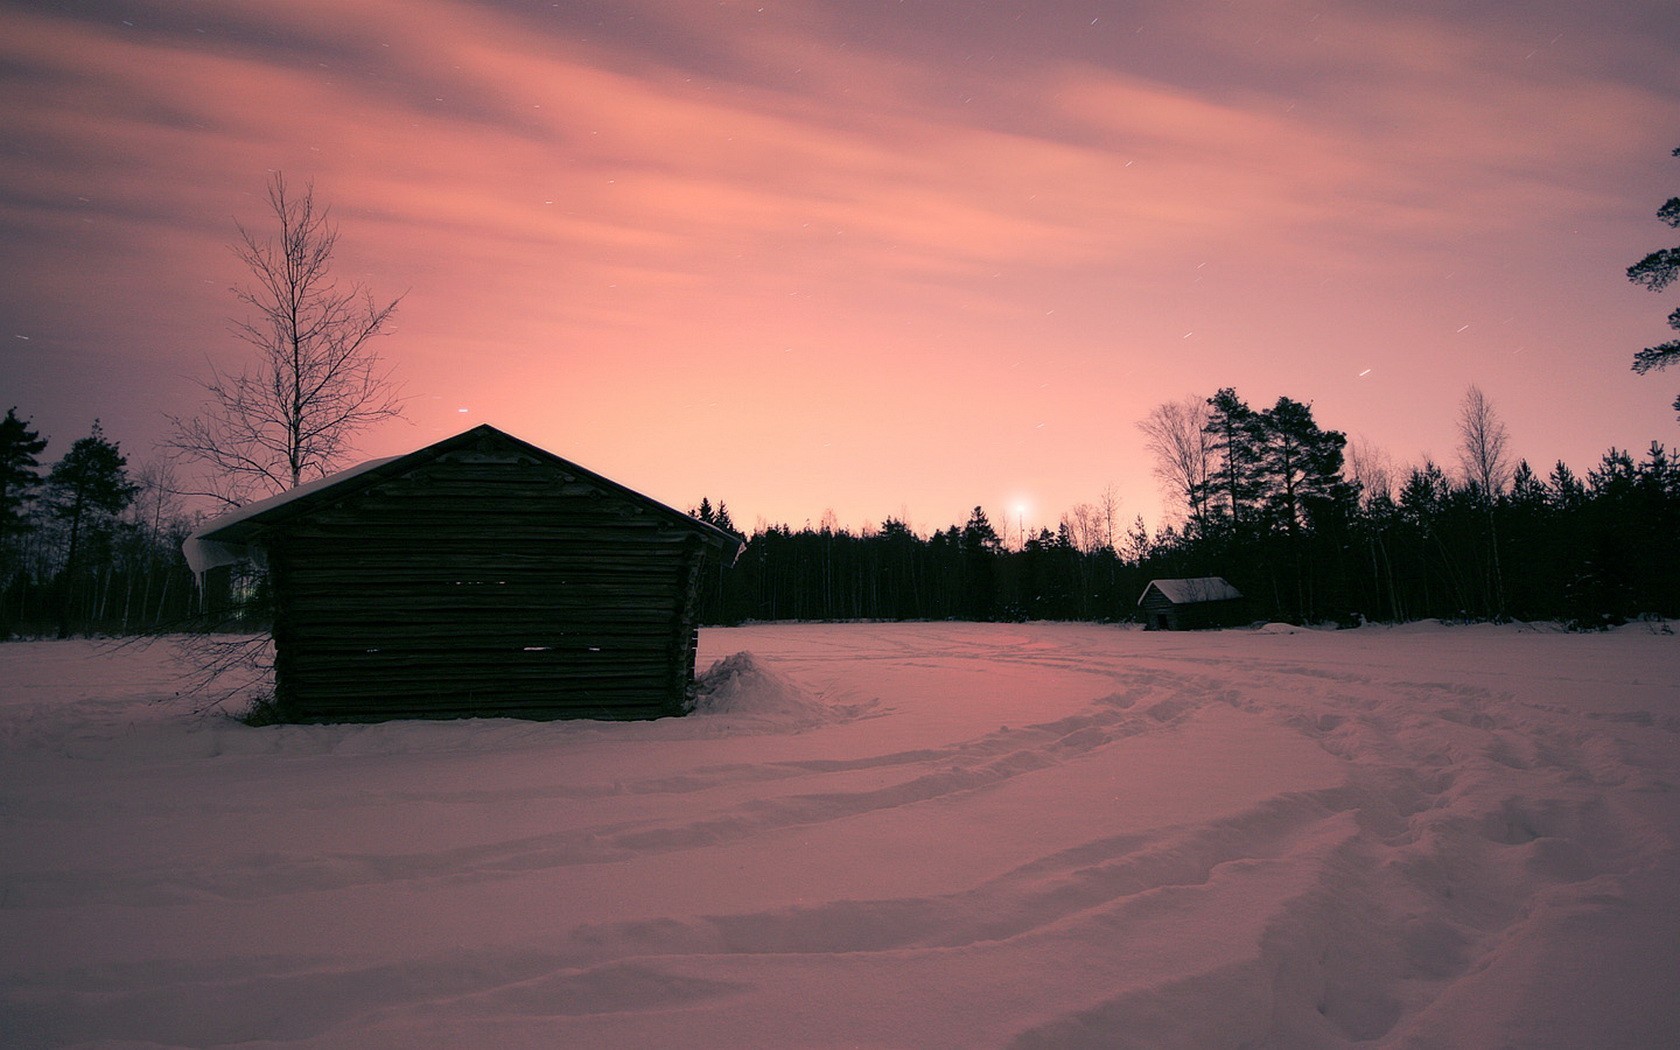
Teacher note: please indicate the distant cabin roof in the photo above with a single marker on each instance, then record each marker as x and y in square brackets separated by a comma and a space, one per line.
[1192, 591]
[231, 537]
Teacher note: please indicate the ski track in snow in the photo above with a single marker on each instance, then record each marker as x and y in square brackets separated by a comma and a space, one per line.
[882, 835]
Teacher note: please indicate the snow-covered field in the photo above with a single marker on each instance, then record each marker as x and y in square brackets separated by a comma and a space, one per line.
[896, 835]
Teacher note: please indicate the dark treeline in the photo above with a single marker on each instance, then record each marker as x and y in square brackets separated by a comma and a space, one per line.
[88, 547]
[963, 572]
[1589, 552]
[1267, 499]
[1270, 504]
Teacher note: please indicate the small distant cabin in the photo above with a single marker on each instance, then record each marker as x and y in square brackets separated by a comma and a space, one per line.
[478, 577]
[1187, 605]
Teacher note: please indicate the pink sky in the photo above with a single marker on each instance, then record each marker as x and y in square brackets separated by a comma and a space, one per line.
[879, 258]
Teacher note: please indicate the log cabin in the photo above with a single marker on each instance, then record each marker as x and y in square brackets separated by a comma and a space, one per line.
[481, 576]
[1189, 604]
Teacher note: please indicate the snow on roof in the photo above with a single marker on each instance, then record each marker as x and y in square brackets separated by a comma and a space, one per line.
[205, 554]
[235, 536]
[1192, 591]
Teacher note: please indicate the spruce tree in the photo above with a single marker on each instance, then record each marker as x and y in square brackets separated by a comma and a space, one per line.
[1298, 480]
[19, 472]
[89, 484]
[980, 545]
[1298, 466]
[1566, 491]
[1527, 490]
[1230, 490]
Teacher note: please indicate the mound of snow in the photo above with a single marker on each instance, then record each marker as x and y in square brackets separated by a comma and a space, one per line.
[1646, 626]
[740, 685]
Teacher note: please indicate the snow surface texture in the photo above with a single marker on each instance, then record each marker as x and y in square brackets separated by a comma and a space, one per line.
[913, 835]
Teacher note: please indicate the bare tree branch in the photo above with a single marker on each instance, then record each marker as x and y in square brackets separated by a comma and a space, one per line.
[316, 382]
[1482, 444]
[1183, 453]
[1373, 471]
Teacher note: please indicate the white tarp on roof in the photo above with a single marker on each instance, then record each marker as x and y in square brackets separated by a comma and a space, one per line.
[1192, 591]
[204, 555]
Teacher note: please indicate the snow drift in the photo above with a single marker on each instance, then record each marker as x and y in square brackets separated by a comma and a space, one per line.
[743, 690]
[927, 835]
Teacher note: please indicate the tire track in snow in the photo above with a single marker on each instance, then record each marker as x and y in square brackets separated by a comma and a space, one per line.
[1473, 825]
[924, 775]
[1473, 812]
[1096, 889]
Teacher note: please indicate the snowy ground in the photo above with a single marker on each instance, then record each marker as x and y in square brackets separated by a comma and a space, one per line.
[922, 835]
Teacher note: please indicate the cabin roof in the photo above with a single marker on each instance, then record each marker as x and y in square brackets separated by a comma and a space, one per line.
[231, 536]
[1192, 591]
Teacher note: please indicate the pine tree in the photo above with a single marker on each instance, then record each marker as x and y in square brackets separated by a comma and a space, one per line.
[1614, 477]
[1298, 466]
[1298, 480]
[1230, 490]
[980, 545]
[1138, 543]
[1527, 490]
[1536, 544]
[19, 474]
[89, 485]
[1656, 272]
[978, 536]
[1420, 508]
[1567, 492]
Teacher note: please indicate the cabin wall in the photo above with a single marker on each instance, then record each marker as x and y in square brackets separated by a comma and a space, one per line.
[484, 585]
[1159, 614]
[1198, 616]
[686, 621]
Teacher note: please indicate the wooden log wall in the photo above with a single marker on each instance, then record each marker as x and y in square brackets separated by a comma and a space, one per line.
[1156, 605]
[1190, 616]
[482, 586]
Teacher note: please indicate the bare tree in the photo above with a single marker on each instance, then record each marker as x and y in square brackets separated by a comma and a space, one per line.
[155, 506]
[1109, 504]
[1138, 544]
[1482, 444]
[1084, 524]
[1373, 471]
[317, 381]
[1487, 467]
[1376, 476]
[1178, 439]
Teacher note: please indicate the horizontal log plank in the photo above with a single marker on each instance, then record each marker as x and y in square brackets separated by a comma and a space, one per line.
[601, 713]
[375, 661]
[394, 602]
[511, 629]
[512, 691]
[440, 569]
[511, 519]
[482, 576]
